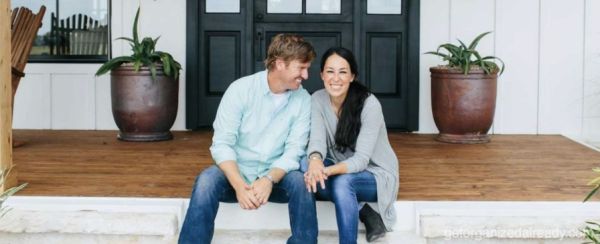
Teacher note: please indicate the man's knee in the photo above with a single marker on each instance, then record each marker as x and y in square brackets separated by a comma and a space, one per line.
[209, 179]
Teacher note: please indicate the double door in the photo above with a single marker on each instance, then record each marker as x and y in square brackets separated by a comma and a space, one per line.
[228, 39]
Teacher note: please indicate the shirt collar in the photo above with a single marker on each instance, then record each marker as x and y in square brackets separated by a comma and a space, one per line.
[264, 83]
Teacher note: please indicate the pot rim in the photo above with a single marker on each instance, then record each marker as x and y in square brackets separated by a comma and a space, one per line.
[129, 65]
[456, 70]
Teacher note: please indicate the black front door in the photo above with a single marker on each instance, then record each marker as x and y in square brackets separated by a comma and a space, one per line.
[228, 42]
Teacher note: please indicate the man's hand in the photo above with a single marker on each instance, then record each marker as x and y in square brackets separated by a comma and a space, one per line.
[314, 174]
[243, 192]
[246, 198]
[262, 190]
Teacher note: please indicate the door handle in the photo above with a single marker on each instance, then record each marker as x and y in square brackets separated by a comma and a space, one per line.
[259, 16]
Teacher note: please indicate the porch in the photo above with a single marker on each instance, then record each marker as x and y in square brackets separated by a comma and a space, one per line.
[87, 186]
[510, 168]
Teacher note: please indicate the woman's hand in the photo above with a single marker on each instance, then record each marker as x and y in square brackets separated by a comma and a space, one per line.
[314, 174]
[336, 169]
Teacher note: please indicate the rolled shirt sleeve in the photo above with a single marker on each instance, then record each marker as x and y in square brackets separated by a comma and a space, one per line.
[226, 125]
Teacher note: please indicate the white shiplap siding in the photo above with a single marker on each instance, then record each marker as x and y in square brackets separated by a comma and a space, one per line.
[561, 67]
[517, 39]
[33, 106]
[591, 90]
[435, 29]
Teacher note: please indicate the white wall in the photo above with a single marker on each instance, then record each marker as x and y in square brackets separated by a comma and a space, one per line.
[69, 96]
[551, 47]
[591, 105]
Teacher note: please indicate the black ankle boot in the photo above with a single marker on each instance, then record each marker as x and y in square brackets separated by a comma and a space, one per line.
[373, 223]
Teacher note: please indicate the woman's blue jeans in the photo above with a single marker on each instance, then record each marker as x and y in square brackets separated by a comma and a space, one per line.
[212, 187]
[346, 191]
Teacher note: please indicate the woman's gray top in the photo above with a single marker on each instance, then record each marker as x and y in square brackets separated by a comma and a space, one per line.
[373, 150]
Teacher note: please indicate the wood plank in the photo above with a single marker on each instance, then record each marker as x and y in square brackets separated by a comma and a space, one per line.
[6, 157]
[510, 168]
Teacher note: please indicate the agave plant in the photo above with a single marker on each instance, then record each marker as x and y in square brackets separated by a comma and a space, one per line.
[143, 55]
[592, 232]
[461, 56]
[592, 229]
[4, 195]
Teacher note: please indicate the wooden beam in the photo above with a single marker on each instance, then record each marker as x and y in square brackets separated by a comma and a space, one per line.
[6, 156]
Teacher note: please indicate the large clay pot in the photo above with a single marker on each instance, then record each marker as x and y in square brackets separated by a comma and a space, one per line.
[463, 105]
[144, 109]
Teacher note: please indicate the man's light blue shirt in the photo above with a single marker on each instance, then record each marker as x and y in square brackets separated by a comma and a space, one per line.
[252, 131]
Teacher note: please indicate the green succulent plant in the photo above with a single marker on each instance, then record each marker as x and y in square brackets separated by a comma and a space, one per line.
[461, 56]
[592, 229]
[4, 195]
[144, 55]
[591, 232]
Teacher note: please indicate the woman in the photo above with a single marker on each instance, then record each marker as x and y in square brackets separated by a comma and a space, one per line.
[347, 127]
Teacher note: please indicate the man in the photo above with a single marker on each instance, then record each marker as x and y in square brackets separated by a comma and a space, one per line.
[261, 131]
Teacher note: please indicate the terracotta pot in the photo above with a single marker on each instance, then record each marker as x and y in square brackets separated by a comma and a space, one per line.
[143, 109]
[463, 105]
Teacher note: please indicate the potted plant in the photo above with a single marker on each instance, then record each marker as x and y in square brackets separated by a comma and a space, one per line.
[4, 195]
[144, 90]
[592, 228]
[463, 93]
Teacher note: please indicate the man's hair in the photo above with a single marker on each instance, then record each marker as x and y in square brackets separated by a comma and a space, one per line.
[289, 47]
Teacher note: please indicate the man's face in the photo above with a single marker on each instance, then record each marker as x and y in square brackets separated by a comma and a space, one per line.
[293, 73]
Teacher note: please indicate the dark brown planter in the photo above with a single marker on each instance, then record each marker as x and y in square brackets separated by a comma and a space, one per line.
[144, 109]
[463, 105]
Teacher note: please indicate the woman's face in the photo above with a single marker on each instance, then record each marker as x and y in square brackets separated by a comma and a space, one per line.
[336, 76]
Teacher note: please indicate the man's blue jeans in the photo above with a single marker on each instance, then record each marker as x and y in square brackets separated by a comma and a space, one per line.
[346, 191]
[212, 187]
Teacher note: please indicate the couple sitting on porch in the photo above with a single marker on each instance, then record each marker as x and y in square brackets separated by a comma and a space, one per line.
[261, 133]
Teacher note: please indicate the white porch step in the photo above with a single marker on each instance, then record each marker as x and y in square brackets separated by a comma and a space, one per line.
[220, 237]
[152, 220]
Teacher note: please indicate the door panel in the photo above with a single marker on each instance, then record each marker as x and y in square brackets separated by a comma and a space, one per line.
[216, 56]
[224, 46]
[383, 64]
[385, 56]
[223, 59]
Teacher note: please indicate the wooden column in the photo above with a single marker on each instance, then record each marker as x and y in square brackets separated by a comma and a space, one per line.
[5, 96]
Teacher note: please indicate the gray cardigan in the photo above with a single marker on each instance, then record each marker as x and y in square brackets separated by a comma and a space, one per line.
[373, 150]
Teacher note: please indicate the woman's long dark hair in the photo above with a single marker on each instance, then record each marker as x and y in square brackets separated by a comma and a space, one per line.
[349, 124]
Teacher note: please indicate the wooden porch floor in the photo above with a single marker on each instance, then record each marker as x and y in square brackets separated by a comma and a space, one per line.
[510, 168]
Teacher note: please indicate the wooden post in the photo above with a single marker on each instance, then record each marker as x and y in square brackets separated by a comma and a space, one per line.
[5, 96]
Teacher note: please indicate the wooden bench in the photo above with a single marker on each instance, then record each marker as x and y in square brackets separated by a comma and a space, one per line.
[78, 34]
